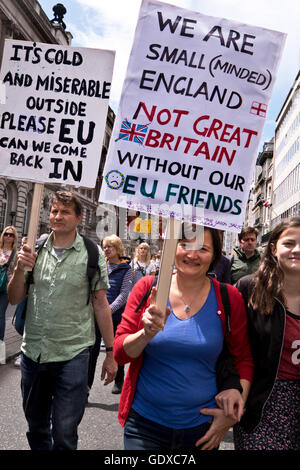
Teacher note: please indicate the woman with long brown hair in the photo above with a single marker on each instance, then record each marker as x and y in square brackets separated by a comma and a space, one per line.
[272, 296]
[8, 249]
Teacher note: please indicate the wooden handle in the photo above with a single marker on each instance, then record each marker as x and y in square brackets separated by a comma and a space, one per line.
[35, 214]
[167, 263]
[34, 217]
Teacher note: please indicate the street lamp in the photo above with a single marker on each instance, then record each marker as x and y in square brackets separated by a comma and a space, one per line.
[59, 12]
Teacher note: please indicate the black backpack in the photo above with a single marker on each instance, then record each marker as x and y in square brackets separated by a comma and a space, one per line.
[92, 268]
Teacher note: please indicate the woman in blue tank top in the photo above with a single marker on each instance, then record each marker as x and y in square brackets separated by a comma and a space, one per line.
[170, 395]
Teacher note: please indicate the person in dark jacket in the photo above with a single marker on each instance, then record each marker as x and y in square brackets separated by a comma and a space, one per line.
[222, 271]
[120, 280]
[272, 417]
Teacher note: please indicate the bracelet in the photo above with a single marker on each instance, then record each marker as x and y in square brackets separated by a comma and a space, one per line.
[108, 349]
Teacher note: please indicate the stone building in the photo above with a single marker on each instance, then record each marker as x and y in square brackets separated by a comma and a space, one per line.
[25, 20]
[286, 176]
[262, 192]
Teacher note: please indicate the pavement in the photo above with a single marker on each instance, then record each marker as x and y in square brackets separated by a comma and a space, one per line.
[12, 339]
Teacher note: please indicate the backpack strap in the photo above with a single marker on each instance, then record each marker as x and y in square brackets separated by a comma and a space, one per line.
[226, 304]
[92, 264]
[11, 257]
[146, 295]
[141, 268]
[227, 375]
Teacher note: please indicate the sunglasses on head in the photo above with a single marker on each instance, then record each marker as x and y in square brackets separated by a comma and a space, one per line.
[7, 234]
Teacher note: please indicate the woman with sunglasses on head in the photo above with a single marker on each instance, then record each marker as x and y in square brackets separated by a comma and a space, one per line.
[8, 250]
[272, 296]
[170, 395]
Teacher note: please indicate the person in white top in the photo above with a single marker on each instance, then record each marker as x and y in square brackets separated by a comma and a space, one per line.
[141, 264]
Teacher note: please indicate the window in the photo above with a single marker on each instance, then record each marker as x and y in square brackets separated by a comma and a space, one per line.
[88, 217]
[9, 217]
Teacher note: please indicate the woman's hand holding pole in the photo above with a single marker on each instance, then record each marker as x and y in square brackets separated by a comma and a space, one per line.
[153, 321]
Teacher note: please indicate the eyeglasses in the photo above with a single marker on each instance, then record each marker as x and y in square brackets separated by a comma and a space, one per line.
[7, 234]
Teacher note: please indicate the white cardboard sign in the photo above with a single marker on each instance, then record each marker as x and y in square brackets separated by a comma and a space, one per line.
[53, 112]
[191, 116]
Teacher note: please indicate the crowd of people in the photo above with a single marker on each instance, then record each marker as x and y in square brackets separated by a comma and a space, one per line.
[225, 353]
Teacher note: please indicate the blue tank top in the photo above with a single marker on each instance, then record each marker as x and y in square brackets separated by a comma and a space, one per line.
[178, 375]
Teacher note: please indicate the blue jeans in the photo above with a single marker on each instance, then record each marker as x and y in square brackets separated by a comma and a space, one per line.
[3, 307]
[142, 434]
[54, 401]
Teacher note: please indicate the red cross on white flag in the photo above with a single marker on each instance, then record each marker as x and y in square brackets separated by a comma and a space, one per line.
[260, 109]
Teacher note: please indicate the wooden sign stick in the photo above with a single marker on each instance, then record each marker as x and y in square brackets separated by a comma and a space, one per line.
[35, 214]
[167, 263]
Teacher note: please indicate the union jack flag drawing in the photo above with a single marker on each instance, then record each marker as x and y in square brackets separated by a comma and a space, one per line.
[133, 132]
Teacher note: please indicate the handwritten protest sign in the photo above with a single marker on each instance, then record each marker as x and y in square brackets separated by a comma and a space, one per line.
[53, 120]
[191, 116]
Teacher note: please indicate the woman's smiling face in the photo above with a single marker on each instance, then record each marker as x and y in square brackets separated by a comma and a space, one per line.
[287, 251]
[194, 260]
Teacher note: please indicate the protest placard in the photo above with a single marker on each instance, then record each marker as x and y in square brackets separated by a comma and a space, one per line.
[53, 117]
[191, 116]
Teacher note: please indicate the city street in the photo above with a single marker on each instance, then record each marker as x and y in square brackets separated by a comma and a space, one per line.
[99, 429]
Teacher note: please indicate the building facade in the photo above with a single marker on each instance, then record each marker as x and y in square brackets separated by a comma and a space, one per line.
[262, 193]
[275, 188]
[25, 20]
[286, 172]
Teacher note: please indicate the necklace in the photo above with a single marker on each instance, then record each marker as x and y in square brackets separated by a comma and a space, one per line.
[187, 307]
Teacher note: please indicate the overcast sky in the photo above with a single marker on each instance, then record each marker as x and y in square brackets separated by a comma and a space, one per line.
[111, 25]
